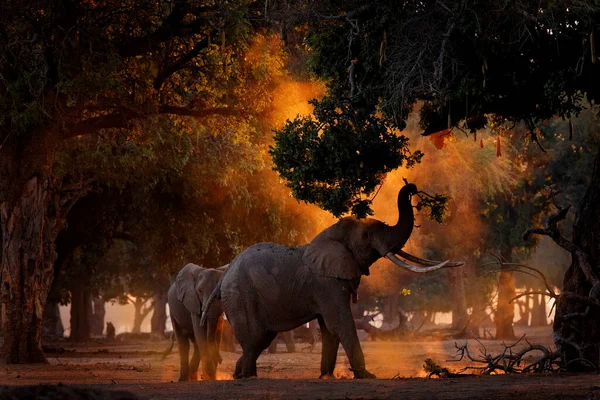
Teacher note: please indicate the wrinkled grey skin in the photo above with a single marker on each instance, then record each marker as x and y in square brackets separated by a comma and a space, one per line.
[269, 288]
[191, 289]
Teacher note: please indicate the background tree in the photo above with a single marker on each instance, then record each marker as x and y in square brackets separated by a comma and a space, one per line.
[77, 68]
[183, 191]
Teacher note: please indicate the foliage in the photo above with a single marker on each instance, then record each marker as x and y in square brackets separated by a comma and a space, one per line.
[436, 204]
[94, 65]
[178, 190]
[340, 157]
[468, 64]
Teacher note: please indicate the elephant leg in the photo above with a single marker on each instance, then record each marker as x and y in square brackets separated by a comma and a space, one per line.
[329, 351]
[237, 374]
[183, 344]
[209, 369]
[340, 323]
[194, 362]
[213, 340]
[253, 352]
[288, 338]
[218, 335]
[273, 346]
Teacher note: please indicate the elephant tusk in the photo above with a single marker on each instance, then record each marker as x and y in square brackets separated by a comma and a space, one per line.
[427, 263]
[392, 257]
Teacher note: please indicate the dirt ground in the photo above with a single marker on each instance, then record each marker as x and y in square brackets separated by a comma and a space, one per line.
[136, 367]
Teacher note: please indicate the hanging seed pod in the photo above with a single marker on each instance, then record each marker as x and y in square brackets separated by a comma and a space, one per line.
[383, 49]
[498, 147]
[481, 143]
[483, 71]
[475, 137]
[593, 47]
[570, 128]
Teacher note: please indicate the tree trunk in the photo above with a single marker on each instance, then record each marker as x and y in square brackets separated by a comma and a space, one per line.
[577, 327]
[52, 327]
[505, 312]
[26, 266]
[81, 315]
[389, 311]
[460, 315]
[507, 290]
[538, 314]
[140, 313]
[97, 328]
[158, 323]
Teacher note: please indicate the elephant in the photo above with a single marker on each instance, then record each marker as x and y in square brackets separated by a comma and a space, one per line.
[270, 288]
[191, 289]
[287, 338]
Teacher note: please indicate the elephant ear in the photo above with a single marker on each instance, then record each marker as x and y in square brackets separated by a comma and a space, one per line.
[186, 288]
[328, 256]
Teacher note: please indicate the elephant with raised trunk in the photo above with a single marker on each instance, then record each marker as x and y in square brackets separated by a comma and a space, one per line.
[269, 288]
[191, 289]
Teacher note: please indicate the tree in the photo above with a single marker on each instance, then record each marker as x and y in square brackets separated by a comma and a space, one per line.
[205, 179]
[74, 69]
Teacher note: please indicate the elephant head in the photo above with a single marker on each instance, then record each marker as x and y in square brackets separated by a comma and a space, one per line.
[194, 285]
[348, 248]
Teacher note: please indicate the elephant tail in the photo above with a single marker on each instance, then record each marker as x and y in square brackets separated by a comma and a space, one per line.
[216, 294]
[170, 348]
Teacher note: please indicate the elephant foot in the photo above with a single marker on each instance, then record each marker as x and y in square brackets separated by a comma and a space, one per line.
[363, 374]
[183, 378]
[242, 376]
[193, 376]
[327, 376]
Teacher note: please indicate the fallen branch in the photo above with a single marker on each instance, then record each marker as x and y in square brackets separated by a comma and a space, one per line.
[509, 361]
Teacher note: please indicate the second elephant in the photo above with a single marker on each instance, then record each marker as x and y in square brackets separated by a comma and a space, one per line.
[187, 294]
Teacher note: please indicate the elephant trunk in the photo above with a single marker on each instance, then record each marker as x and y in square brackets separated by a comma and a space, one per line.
[398, 236]
[214, 295]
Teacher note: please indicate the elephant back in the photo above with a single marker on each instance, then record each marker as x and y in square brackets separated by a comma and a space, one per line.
[268, 270]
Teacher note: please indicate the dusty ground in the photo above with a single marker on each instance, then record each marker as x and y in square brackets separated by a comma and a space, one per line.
[136, 367]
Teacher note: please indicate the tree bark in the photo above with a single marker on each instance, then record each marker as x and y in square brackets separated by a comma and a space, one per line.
[31, 215]
[81, 315]
[158, 323]
[577, 326]
[460, 316]
[26, 267]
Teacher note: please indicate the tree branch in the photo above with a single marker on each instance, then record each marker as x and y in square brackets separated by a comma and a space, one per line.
[124, 117]
[551, 230]
[165, 73]
[171, 27]
[199, 113]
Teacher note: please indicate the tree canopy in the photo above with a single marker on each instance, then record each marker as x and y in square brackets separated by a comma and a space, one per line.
[465, 64]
